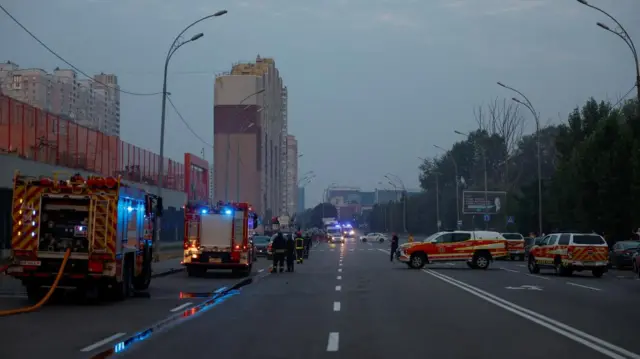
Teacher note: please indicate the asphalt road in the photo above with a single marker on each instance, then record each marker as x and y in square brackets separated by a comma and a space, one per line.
[350, 301]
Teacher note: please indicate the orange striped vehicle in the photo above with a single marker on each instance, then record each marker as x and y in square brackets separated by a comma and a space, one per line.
[569, 252]
[477, 248]
[515, 245]
[105, 224]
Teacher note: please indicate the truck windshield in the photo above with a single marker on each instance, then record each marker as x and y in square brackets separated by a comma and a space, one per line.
[64, 223]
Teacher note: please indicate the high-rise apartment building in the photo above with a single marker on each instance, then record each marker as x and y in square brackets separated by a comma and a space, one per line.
[250, 136]
[86, 102]
[291, 192]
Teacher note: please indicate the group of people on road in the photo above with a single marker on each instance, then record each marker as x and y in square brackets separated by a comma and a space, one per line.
[292, 249]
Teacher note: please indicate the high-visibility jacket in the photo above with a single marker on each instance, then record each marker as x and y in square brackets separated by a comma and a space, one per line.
[299, 243]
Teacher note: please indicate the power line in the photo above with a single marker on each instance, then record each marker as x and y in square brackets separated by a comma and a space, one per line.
[187, 123]
[67, 62]
[624, 97]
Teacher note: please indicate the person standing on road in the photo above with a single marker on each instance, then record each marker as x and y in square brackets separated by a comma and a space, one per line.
[299, 247]
[291, 254]
[279, 248]
[307, 244]
[410, 240]
[394, 246]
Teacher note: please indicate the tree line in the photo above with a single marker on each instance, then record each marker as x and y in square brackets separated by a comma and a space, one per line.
[590, 174]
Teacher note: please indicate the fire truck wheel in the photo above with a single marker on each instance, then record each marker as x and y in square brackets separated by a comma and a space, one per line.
[124, 289]
[598, 272]
[417, 260]
[247, 272]
[142, 281]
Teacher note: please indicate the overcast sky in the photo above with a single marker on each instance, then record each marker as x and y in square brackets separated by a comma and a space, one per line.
[373, 84]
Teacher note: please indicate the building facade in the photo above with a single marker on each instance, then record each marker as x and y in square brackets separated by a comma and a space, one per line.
[250, 136]
[95, 105]
[291, 192]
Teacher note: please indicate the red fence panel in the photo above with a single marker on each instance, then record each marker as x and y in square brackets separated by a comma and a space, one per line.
[31, 133]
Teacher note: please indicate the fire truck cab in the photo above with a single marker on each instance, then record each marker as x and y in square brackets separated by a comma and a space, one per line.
[106, 225]
[217, 237]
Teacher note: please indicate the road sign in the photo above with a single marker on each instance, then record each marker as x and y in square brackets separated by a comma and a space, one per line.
[511, 220]
[487, 217]
[473, 202]
[525, 287]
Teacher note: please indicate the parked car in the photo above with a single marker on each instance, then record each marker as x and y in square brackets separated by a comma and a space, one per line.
[261, 243]
[621, 254]
[530, 242]
[373, 237]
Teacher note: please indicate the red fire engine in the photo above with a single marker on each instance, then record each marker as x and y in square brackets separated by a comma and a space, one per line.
[217, 237]
[101, 228]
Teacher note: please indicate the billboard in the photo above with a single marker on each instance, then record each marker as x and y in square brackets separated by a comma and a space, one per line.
[474, 202]
[196, 183]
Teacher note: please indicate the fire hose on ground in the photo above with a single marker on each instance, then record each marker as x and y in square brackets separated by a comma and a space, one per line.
[46, 298]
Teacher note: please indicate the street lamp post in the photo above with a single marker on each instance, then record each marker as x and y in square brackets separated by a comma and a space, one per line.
[536, 117]
[624, 35]
[486, 190]
[175, 45]
[455, 168]
[438, 223]
[404, 202]
[226, 182]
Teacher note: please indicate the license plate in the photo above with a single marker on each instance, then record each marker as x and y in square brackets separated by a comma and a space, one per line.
[589, 263]
[30, 263]
[215, 260]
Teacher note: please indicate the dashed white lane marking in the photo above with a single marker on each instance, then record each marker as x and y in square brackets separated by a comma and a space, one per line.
[583, 286]
[384, 251]
[338, 288]
[261, 270]
[351, 250]
[510, 270]
[521, 265]
[180, 307]
[331, 250]
[597, 344]
[102, 342]
[536, 276]
[336, 306]
[340, 270]
[334, 340]
[370, 249]
[339, 277]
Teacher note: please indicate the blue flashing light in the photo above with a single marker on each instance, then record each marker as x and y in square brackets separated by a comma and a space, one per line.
[204, 211]
[130, 209]
[227, 212]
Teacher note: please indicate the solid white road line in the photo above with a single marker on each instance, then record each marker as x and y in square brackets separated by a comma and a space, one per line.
[336, 306]
[583, 286]
[338, 288]
[339, 277]
[334, 340]
[180, 307]
[102, 342]
[597, 344]
[384, 251]
[261, 270]
[340, 270]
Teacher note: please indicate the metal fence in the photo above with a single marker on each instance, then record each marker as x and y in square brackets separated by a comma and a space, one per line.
[37, 135]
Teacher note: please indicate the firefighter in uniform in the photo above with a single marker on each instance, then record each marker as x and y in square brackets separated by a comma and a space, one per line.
[307, 244]
[299, 247]
[279, 248]
[291, 253]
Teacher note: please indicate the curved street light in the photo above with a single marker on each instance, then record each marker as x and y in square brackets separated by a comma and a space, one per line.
[175, 45]
[396, 178]
[621, 33]
[530, 107]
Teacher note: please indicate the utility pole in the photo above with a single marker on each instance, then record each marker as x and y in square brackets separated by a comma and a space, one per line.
[438, 203]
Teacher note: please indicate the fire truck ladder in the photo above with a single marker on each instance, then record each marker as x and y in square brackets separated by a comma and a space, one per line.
[99, 223]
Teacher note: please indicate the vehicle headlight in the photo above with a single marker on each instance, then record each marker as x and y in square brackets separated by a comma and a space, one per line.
[352, 232]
